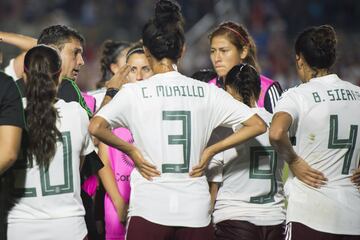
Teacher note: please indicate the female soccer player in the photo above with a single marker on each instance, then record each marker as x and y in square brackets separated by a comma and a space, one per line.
[138, 63]
[250, 201]
[323, 114]
[231, 44]
[48, 176]
[119, 162]
[171, 118]
[113, 57]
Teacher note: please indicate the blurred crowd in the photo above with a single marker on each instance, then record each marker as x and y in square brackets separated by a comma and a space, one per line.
[274, 25]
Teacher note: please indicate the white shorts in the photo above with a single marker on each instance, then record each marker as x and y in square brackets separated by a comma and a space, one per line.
[72, 228]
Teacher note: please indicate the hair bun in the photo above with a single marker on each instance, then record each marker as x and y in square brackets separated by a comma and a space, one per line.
[163, 35]
[167, 11]
[326, 38]
[108, 44]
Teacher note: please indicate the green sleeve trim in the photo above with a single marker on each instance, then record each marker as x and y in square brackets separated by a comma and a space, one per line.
[22, 106]
[81, 99]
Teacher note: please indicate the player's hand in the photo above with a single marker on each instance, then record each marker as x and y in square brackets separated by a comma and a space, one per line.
[199, 169]
[306, 174]
[146, 169]
[356, 178]
[119, 78]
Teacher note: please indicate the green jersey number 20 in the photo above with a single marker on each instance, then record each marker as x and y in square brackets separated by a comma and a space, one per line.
[47, 188]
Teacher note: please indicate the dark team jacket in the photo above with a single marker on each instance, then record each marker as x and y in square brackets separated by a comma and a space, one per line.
[11, 113]
[11, 110]
[68, 91]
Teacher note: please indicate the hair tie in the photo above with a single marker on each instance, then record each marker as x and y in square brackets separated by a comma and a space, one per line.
[242, 65]
[237, 33]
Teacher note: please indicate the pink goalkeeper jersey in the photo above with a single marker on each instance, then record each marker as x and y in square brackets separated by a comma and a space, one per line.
[266, 83]
[267, 88]
[122, 166]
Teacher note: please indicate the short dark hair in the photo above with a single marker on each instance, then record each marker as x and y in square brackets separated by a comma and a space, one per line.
[58, 35]
[318, 46]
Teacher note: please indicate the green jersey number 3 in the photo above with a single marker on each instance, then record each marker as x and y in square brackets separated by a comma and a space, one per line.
[184, 140]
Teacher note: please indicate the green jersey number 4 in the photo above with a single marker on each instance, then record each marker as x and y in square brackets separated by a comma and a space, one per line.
[184, 140]
[336, 143]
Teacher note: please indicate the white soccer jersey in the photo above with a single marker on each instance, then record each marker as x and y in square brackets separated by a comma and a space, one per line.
[171, 118]
[99, 96]
[55, 194]
[249, 174]
[325, 119]
[10, 70]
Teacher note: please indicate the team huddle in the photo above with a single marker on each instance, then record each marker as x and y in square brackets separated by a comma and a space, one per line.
[168, 156]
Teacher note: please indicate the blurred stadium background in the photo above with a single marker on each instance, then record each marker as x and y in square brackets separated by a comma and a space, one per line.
[273, 24]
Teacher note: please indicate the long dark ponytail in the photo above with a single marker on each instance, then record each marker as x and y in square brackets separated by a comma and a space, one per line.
[42, 68]
[245, 80]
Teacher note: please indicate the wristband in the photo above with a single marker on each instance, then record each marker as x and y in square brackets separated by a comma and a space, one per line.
[111, 92]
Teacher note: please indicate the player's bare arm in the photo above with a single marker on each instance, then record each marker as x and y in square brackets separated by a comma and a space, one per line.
[280, 141]
[108, 180]
[21, 41]
[356, 178]
[214, 188]
[100, 128]
[252, 127]
[10, 138]
[115, 83]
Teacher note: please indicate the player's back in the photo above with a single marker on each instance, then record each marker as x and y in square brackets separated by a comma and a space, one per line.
[54, 192]
[327, 128]
[171, 118]
[328, 119]
[251, 188]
